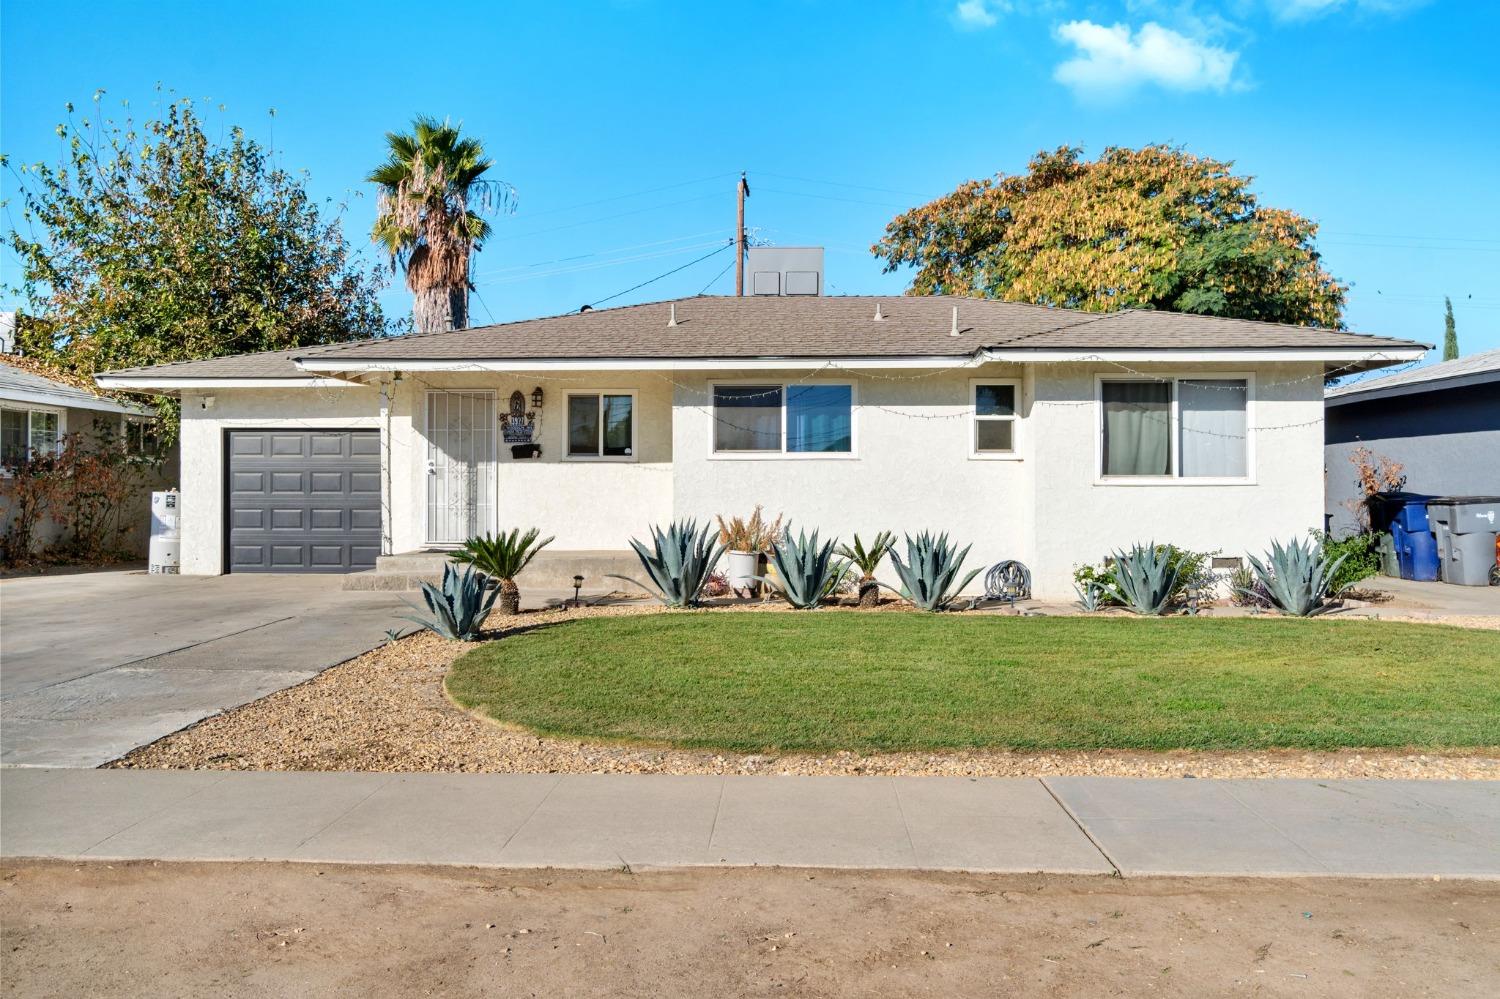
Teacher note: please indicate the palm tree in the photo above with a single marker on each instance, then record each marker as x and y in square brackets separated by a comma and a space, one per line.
[867, 560]
[503, 557]
[432, 198]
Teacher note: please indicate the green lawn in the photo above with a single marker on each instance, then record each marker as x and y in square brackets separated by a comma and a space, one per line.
[748, 682]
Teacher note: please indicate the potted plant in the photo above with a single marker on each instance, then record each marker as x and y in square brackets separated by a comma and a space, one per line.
[748, 541]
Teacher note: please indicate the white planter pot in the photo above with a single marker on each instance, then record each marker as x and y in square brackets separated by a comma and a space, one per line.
[742, 569]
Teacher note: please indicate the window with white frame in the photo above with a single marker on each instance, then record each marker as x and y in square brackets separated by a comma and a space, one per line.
[601, 425]
[797, 419]
[1179, 428]
[26, 432]
[138, 437]
[996, 411]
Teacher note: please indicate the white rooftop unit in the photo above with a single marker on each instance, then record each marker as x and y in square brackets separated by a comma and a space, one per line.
[785, 270]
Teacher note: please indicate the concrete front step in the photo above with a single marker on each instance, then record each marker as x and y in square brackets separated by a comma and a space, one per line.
[550, 570]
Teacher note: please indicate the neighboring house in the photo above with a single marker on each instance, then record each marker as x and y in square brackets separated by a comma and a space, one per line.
[37, 409]
[1038, 434]
[1441, 422]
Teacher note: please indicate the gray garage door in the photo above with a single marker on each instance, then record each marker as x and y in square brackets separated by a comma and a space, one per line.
[303, 501]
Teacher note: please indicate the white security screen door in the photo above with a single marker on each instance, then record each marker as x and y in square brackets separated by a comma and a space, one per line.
[460, 465]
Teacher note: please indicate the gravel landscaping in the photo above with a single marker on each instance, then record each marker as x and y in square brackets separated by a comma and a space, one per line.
[387, 711]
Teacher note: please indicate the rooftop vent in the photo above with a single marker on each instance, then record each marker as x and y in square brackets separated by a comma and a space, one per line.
[785, 270]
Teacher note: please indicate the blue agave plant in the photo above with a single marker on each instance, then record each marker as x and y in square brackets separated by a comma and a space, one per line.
[458, 608]
[678, 562]
[806, 572]
[1297, 578]
[929, 575]
[1143, 578]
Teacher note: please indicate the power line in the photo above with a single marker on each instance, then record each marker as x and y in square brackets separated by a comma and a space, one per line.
[516, 278]
[660, 276]
[716, 277]
[633, 194]
[838, 183]
[597, 253]
[607, 218]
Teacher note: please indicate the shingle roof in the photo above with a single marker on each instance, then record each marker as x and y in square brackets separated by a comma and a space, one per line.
[19, 384]
[713, 327]
[1481, 367]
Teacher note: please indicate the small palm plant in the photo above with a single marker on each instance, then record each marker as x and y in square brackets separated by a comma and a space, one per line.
[806, 572]
[458, 608]
[931, 569]
[1143, 579]
[1297, 578]
[502, 557]
[867, 560]
[679, 562]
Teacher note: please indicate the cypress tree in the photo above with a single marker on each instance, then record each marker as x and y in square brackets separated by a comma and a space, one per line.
[1450, 332]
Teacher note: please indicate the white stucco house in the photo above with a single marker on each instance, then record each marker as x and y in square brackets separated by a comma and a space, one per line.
[1039, 434]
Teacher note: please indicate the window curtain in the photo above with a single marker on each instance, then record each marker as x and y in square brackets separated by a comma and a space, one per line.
[1212, 442]
[818, 418]
[1137, 430]
[747, 418]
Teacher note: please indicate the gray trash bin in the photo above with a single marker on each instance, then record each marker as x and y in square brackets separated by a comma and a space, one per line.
[1465, 528]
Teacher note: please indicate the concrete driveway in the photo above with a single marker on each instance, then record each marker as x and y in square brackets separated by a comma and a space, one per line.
[96, 664]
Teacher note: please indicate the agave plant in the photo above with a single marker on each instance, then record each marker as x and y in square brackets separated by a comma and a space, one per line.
[1143, 578]
[929, 576]
[1297, 578]
[867, 560]
[503, 557]
[456, 609]
[1091, 594]
[679, 562]
[806, 572]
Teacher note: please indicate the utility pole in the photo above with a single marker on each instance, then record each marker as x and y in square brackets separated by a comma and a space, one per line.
[742, 191]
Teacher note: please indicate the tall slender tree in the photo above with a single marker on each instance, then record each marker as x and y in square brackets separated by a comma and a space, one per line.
[433, 196]
[1450, 331]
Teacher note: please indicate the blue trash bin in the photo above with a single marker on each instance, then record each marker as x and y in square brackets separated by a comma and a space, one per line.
[1416, 553]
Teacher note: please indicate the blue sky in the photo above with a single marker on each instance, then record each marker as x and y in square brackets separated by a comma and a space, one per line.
[623, 125]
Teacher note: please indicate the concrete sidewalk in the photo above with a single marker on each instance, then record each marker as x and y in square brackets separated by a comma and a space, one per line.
[1058, 825]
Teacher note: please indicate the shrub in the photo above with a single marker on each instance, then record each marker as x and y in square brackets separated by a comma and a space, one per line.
[930, 572]
[503, 557]
[1143, 578]
[1297, 578]
[1192, 569]
[679, 562]
[806, 572]
[867, 560]
[458, 608]
[1092, 594]
[1358, 557]
[717, 584]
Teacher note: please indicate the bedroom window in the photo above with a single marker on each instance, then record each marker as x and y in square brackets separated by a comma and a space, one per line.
[996, 412]
[1178, 428]
[601, 425]
[29, 431]
[795, 419]
[139, 437]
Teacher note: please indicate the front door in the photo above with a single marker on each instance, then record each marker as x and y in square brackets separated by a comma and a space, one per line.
[460, 465]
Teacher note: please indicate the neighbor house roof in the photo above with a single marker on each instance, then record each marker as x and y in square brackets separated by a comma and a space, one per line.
[22, 381]
[1476, 369]
[766, 328]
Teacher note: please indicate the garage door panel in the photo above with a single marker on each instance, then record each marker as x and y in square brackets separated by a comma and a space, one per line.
[305, 501]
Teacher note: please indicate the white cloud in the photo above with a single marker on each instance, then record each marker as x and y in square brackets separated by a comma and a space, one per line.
[1111, 61]
[1307, 10]
[976, 15]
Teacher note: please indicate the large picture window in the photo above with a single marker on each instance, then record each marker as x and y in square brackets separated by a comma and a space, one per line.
[1180, 428]
[601, 425]
[806, 419]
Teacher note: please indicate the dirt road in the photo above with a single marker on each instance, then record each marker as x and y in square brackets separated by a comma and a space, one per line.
[293, 930]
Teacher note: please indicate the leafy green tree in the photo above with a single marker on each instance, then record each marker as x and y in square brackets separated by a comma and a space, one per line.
[1450, 331]
[151, 243]
[433, 195]
[1154, 227]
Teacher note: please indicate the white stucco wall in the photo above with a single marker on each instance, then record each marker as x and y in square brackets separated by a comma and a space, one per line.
[1081, 520]
[912, 468]
[202, 449]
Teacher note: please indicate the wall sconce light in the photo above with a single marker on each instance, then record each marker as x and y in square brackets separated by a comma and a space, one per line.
[536, 397]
